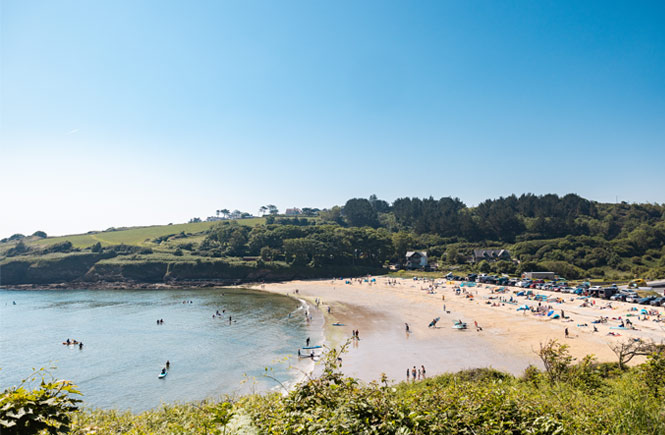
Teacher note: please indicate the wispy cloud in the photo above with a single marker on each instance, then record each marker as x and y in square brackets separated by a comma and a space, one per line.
[71, 132]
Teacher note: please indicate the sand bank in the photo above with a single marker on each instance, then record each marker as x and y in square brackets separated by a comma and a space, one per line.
[508, 340]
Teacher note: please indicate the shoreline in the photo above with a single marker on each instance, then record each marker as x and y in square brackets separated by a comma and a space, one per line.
[509, 339]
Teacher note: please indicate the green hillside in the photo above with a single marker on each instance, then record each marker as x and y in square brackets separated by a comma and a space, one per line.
[136, 236]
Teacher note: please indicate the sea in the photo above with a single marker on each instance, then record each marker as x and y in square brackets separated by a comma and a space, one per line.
[251, 347]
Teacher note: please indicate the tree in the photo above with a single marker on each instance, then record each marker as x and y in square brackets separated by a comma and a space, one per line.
[263, 210]
[332, 215]
[359, 212]
[484, 266]
[556, 359]
[379, 205]
[272, 209]
[225, 213]
[654, 373]
[627, 350]
[40, 234]
[268, 254]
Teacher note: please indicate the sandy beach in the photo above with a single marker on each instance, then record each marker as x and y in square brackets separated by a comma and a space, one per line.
[379, 308]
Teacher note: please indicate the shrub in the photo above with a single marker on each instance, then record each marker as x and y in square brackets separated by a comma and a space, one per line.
[46, 408]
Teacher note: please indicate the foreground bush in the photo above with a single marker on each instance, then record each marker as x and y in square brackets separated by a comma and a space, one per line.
[47, 408]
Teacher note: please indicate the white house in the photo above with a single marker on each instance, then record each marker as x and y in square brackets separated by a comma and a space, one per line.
[416, 259]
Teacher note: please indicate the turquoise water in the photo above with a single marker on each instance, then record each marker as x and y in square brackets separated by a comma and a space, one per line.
[124, 347]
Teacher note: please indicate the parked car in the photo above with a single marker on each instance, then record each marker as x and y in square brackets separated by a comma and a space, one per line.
[618, 297]
[646, 301]
[632, 298]
[658, 301]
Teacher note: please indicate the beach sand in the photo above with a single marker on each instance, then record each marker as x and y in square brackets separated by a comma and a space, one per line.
[508, 341]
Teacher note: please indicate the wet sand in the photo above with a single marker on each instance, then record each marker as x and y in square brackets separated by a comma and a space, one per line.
[508, 341]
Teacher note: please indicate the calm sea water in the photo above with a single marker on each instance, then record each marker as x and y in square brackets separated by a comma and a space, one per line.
[125, 349]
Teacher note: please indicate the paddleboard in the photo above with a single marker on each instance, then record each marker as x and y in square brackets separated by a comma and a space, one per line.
[312, 347]
[162, 375]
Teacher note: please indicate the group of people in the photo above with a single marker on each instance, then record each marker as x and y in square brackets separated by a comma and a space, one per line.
[416, 374]
[311, 354]
[354, 334]
[218, 314]
[160, 321]
[74, 342]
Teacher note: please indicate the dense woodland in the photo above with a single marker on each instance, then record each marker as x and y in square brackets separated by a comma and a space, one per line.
[573, 235]
[570, 235]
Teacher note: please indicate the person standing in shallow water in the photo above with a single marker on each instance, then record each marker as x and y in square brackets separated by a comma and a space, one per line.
[307, 342]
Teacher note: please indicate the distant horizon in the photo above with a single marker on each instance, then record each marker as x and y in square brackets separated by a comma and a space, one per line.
[132, 113]
[282, 210]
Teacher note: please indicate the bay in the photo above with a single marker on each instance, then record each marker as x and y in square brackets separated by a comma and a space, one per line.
[124, 348]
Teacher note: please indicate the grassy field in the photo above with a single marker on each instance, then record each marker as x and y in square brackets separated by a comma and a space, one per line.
[137, 236]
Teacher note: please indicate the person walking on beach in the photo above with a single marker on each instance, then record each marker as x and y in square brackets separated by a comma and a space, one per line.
[566, 332]
[418, 374]
[423, 370]
[407, 374]
[307, 341]
[413, 373]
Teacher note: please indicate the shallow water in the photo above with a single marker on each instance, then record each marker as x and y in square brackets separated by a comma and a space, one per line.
[124, 348]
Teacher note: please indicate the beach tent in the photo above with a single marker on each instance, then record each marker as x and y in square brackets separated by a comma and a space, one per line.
[550, 312]
[523, 307]
[556, 316]
[644, 311]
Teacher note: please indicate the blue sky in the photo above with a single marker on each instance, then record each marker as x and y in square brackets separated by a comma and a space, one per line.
[131, 113]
